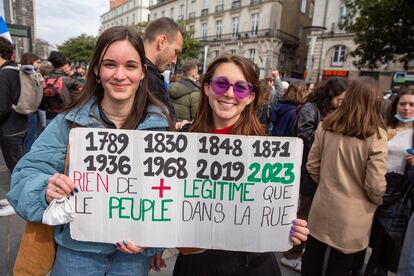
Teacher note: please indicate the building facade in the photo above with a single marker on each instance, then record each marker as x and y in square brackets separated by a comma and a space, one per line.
[330, 47]
[261, 30]
[125, 13]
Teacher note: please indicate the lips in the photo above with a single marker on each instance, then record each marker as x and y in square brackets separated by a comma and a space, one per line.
[226, 105]
[119, 86]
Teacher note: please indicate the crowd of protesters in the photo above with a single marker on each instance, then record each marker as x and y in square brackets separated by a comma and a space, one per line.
[356, 174]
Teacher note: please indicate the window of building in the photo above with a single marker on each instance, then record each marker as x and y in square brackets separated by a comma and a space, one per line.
[205, 4]
[235, 26]
[341, 14]
[339, 55]
[133, 18]
[193, 6]
[303, 6]
[182, 9]
[233, 52]
[155, 15]
[216, 53]
[162, 13]
[204, 31]
[254, 24]
[311, 8]
[219, 28]
[172, 13]
[252, 54]
[127, 22]
[300, 33]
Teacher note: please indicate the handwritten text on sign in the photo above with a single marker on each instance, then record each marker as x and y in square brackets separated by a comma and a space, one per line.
[165, 189]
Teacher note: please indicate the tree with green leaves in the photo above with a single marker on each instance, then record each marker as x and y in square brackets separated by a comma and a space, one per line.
[384, 31]
[191, 47]
[79, 49]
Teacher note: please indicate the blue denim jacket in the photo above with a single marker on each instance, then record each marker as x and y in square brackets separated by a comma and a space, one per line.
[47, 157]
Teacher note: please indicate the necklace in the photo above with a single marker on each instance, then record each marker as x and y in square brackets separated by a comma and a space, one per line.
[115, 114]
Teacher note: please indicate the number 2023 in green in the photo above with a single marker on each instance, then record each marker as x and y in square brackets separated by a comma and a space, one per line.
[271, 173]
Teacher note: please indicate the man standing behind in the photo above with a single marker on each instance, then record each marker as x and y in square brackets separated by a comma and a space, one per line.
[185, 93]
[13, 126]
[70, 89]
[163, 41]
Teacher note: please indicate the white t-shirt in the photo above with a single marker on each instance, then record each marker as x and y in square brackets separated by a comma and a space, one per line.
[396, 150]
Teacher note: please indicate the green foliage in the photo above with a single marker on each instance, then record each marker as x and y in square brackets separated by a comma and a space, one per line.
[191, 47]
[384, 31]
[79, 49]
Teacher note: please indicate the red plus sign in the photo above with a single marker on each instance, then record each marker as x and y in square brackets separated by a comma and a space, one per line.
[161, 188]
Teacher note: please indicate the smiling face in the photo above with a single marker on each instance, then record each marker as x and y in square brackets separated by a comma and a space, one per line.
[226, 107]
[405, 106]
[121, 72]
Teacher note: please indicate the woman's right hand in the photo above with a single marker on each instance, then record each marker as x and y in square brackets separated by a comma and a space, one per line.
[59, 186]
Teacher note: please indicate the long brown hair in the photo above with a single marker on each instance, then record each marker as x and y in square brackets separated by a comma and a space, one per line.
[296, 93]
[93, 86]
[324, 92]
[360, 113]
[248, 123]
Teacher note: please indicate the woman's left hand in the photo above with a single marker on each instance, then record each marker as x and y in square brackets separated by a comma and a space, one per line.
[298, 231]
[129, 247]
[410, 159]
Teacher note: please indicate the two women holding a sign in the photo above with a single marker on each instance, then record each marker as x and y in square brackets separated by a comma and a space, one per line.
[115, 96]
[348, 160]
[228, 104]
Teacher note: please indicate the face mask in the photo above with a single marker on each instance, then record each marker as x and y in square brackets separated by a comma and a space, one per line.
[402, 120]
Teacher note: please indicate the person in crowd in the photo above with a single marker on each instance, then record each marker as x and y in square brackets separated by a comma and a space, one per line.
[45, 69]
[163, 42]
[33, 62]
[284, 111]
[116, 96]
[13, 126]
[348, 161]
[406, 264]
[79, 73]
[274, 83]
[184, 94]
[61, 68]
[229, 98]
[310, 86]
[386, 242]
[327, 97]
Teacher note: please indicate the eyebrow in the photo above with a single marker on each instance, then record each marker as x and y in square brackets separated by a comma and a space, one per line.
[128, 61]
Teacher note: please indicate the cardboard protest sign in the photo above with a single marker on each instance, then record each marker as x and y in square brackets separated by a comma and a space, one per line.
[165, 189]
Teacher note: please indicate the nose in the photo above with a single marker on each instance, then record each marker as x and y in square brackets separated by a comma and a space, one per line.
[174, 61]
[119, 73]
[230, 92]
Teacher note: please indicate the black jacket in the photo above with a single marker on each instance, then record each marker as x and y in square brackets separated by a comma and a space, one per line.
[308, 120]
[157, 88]
[10, 122]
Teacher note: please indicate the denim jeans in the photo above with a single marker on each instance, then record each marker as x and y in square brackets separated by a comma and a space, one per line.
[406, 265]
[73, 263]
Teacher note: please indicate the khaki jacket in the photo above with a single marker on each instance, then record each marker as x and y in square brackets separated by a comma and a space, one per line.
[351, 176]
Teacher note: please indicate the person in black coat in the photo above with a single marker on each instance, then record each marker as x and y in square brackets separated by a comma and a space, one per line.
[13, 126]
[163, 41]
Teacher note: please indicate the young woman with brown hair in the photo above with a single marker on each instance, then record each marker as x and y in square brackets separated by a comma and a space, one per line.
[115, 96]
[348, 162]
[228, 103]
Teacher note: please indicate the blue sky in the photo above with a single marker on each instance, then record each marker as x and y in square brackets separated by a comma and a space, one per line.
[59, 20]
